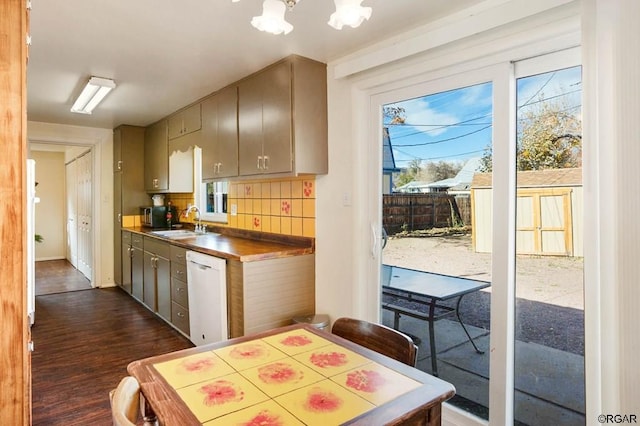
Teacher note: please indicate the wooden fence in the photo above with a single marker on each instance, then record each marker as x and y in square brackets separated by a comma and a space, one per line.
[412, 212]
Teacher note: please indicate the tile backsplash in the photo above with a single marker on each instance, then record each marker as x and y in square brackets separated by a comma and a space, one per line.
[282, 206]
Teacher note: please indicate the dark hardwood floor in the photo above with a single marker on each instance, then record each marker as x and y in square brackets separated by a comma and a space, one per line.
[58, 276]
[83, 343]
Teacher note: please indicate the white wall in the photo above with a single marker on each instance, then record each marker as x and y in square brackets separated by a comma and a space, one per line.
[101, 141]
[611, 59]
[50, 214]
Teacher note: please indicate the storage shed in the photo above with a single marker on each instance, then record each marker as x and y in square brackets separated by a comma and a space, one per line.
[549, 212]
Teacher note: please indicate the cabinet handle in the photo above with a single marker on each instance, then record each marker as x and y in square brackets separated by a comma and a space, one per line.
[258, 165]
[119, 164]
[119, 217]
[179, 272]
[179, 290]
[155, 183]
[180, 314]
[265, 162]
[179, 256]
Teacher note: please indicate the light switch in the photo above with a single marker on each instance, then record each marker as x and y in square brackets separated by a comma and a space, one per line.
[234, 209]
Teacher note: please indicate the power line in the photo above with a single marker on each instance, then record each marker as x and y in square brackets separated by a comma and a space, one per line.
[445, 140]
[442, 157]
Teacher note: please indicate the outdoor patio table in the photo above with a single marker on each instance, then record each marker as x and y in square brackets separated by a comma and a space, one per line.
[292, 375]
[419, 294]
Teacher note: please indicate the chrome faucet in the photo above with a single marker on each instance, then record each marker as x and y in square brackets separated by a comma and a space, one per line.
[200, 228]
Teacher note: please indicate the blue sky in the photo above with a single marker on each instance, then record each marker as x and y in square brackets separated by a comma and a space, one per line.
[456, 125]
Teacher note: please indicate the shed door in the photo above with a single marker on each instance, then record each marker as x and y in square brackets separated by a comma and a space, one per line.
[544, 222]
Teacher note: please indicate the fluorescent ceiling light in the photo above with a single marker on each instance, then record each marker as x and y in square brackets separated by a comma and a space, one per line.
[92, 94]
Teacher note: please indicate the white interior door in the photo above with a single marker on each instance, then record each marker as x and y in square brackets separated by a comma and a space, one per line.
[84, 228]
[72, 212]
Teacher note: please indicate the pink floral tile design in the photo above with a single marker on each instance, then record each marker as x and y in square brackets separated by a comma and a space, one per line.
[307, 188]
[286, 207]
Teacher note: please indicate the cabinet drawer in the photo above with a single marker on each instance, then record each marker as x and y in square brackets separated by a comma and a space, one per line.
[179, 271]
[179, 292]
[180, 318]
[157, 247]
[178, 255]
[136, 240]
[126, 238]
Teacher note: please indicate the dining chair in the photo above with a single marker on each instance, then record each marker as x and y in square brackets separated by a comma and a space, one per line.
[125, 402]
[377, 337]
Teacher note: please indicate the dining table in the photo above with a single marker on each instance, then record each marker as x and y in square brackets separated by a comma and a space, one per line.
[291, 375]
[422, 295]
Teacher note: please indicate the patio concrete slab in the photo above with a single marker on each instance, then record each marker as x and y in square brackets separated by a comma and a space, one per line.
[549, 382]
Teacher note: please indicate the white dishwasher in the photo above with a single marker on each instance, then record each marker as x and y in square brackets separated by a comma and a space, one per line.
[207, 290]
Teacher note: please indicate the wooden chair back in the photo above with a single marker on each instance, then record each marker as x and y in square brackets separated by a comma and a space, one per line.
[125, 402]
[379, 338]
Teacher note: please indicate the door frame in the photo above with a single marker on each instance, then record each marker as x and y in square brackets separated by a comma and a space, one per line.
[501, 71]
[100, 142]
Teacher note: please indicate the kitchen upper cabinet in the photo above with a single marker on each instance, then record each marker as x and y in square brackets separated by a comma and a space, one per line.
[220, 134]
[185, 121]
[156, 158]
[282, 119]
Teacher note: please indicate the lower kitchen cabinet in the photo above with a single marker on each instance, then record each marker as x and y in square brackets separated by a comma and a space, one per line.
[157, 273]
[179, 290]
[137, 266]
[125, 282]
[268, 293]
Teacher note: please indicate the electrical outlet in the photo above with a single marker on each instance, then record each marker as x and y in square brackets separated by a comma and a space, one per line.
[234, 209]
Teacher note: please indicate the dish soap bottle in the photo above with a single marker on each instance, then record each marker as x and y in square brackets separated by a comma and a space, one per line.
[169, 215]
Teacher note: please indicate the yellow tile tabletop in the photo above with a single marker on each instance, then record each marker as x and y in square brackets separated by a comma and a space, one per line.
[249, 354]
[296, 341]
[264, 414]
[375, 383]
[282, 376]
[214, 398]
[324, 403]
[193, 369]
[331, 360]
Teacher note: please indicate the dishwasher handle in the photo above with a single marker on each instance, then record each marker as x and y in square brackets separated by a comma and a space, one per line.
[200, 265]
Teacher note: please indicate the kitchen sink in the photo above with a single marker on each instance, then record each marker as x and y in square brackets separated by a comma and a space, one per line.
[175, 233]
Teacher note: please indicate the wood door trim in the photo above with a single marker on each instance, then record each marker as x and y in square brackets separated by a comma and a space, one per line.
[15, 379]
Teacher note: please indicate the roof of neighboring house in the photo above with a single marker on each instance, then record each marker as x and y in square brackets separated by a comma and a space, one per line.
[410, 185]
[388, 161]
[536, 178]
[464, 176]
[460, 182]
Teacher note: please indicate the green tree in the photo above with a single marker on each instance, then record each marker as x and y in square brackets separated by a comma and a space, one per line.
[548, 138]
[435, 171]
[410, 173]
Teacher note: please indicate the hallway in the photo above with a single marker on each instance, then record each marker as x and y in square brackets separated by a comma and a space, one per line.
[58, 276]
[83, 343]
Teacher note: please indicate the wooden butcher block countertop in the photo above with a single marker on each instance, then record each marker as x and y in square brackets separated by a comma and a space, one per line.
[241, 245]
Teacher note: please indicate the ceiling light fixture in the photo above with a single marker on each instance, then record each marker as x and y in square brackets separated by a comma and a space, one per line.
[272, 18]
[348, 12]
[92, 94]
